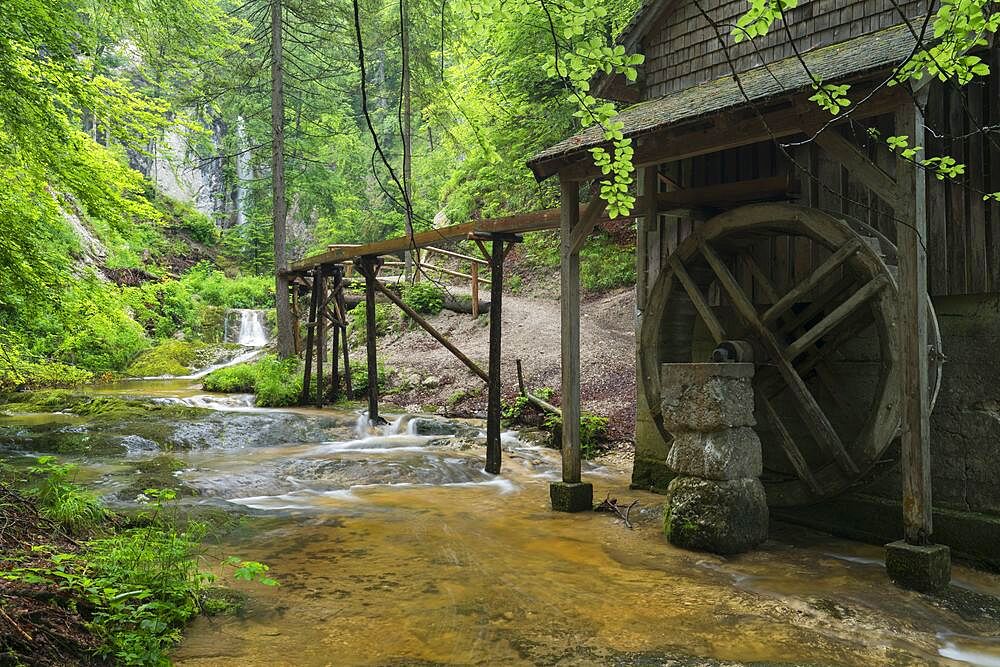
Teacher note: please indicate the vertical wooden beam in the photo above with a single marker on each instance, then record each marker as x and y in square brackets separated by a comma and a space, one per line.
[310, 330]
[647, 223]
[332, 307]
[342, 307]
[475, 289]
[570, 332]
[370, 266]
[320, 333]
[493, 452]
[911, 234]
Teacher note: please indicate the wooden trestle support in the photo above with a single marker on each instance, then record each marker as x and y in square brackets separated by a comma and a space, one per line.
[328, 304]
[326, 307]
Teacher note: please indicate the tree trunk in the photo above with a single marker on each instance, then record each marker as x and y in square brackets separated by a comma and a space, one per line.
[404, 28]
[286, 339]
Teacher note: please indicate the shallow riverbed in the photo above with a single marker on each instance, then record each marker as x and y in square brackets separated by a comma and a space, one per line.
[397, 549]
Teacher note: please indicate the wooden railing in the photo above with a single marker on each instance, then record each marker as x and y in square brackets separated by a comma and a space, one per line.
[423, 267]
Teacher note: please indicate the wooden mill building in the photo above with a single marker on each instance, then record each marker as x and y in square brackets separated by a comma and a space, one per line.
[868, 289]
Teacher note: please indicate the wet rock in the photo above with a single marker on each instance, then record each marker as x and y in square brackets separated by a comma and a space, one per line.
[724, 517]
[424, 426]
[706, 397]
[721, 455]
[433, 427]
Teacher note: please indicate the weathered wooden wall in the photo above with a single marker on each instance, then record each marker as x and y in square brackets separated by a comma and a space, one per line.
[963, 230]
[684, 50]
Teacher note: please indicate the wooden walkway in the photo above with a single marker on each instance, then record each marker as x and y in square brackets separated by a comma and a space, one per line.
[481, 230]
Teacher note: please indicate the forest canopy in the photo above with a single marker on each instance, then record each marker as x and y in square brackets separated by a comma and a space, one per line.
[112, 110]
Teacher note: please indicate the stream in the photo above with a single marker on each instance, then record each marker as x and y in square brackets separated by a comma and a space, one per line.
[393, 547]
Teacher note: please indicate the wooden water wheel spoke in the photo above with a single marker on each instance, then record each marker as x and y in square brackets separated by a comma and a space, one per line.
[790, 448]
[836, 316]
[797, 293]
[834, 294]
[760, 278]
[764, 283]
[698, 300]
[810, 411]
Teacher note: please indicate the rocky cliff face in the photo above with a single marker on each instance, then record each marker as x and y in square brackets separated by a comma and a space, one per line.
[213, 185]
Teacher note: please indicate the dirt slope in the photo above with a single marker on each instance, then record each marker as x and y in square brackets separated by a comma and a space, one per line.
[531, 333]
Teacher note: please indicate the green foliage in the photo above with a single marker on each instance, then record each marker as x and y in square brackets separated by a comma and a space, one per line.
[387, 320]
[140, 585]
[169, 357]
[359, 377]
[214, 288]
[593, 430]
[60, 500]
[424, 297]
[514, 283]
[276, 382]
[511, 411]
[542, 249]
[238, 379]
[163, 308]
[605, 265]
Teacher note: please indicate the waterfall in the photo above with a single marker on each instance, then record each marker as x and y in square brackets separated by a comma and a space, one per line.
[243, 173]
[251, 331]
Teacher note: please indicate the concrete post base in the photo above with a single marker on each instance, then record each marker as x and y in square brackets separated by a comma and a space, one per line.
[568, 497]
[920, 568]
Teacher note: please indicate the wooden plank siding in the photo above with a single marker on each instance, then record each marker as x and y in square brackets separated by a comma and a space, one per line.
[963, 230]
[685, 50]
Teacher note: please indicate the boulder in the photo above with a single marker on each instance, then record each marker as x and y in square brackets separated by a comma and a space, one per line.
[724, 517]
[430, 427]
[731, 453]
[706, 397]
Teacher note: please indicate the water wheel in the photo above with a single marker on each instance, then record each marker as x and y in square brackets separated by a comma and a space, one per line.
[827, 370]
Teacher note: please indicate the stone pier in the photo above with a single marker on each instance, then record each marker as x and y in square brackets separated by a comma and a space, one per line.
[716, 502]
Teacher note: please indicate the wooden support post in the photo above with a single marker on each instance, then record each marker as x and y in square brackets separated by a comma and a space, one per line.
[369, 267]
[914, 562]
[570, 495]
[320, 331]
[310, 331]
[333, 309]
[342, 308]
[475, 289]
[493, 453]
[911, 234]
[570, 333]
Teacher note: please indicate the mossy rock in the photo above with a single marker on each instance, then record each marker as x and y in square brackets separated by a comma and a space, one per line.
[724, 517]
[169, 357]
[157, 473]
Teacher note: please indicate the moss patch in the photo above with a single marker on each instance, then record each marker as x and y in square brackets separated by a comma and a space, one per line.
[170, 357]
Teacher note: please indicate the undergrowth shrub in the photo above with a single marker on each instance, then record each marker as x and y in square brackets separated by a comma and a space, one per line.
[215, 288]
[359, 377]
[425, 297]
[276, 382]
[605, 265]
[139, 582]
[163, 308]
[62, 501]
[387, 320]
[593, 431]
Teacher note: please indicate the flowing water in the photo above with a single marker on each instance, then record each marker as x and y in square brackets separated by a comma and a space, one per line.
[395, 548]
[246, 327]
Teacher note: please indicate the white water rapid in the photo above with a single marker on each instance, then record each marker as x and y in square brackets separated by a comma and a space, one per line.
[251, 331]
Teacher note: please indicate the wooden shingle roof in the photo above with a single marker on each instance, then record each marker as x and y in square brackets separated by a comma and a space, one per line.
[861, 55]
